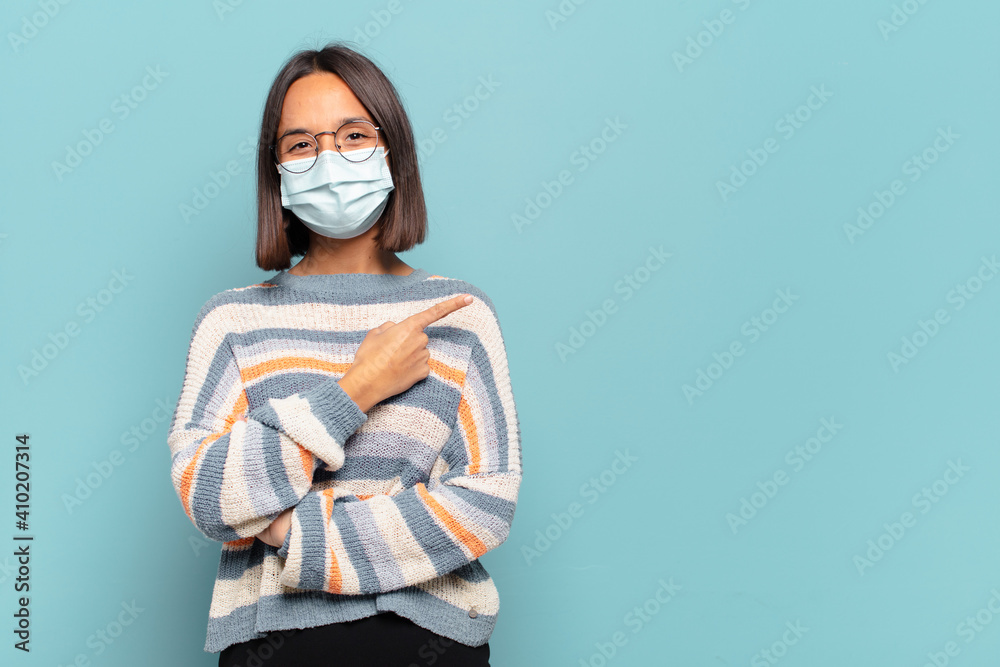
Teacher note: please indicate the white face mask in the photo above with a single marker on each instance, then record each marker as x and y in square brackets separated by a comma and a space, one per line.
[338, 198]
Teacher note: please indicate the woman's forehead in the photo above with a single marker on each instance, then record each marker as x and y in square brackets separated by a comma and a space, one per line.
[320, 101]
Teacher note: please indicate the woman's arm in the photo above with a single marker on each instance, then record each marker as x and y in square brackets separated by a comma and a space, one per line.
[235, 470]
[351, 546]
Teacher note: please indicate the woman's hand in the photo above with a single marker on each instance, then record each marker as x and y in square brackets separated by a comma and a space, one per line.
[276, 533]
[393, 357]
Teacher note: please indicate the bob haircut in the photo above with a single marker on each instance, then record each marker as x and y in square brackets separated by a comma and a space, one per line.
[403, 223]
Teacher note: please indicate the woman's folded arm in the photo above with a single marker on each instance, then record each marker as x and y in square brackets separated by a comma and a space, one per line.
[347, 545]
[234, 470]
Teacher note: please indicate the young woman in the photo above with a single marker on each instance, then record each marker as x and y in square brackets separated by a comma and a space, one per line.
[346, 428]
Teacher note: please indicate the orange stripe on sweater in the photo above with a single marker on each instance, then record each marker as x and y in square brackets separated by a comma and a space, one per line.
[334, 577]
[257, 371]
[307, 461]
[188, 477]
[262, 369]
[468, 539]
[447, 372]
[239, 544]
[471, 434]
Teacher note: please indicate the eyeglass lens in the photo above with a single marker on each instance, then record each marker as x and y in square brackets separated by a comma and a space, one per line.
[356, 142]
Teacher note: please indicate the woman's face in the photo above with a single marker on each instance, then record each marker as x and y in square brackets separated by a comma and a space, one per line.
[322, 102]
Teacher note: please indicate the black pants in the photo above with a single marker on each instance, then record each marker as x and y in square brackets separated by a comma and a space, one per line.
[384, 640]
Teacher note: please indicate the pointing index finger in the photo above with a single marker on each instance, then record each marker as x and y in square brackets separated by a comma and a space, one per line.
[439, 310]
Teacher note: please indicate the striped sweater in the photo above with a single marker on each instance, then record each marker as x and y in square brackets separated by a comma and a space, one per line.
[393, 507]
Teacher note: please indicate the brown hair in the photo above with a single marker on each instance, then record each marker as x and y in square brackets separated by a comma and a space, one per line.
[403, 223]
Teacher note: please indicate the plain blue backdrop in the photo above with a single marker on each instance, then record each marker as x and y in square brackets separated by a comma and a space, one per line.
[748, 247]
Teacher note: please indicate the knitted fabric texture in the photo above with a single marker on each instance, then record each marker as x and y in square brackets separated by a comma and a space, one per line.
[393, 507]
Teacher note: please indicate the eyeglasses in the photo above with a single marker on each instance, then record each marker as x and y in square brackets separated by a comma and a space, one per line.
[356, 142]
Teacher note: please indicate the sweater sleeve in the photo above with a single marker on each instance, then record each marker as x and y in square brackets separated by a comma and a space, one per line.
[351, 546]
[235, 470]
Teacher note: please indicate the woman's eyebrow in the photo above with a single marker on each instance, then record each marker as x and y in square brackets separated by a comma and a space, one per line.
[342, 122]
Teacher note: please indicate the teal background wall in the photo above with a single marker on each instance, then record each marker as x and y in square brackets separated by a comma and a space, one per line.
[746, 249]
